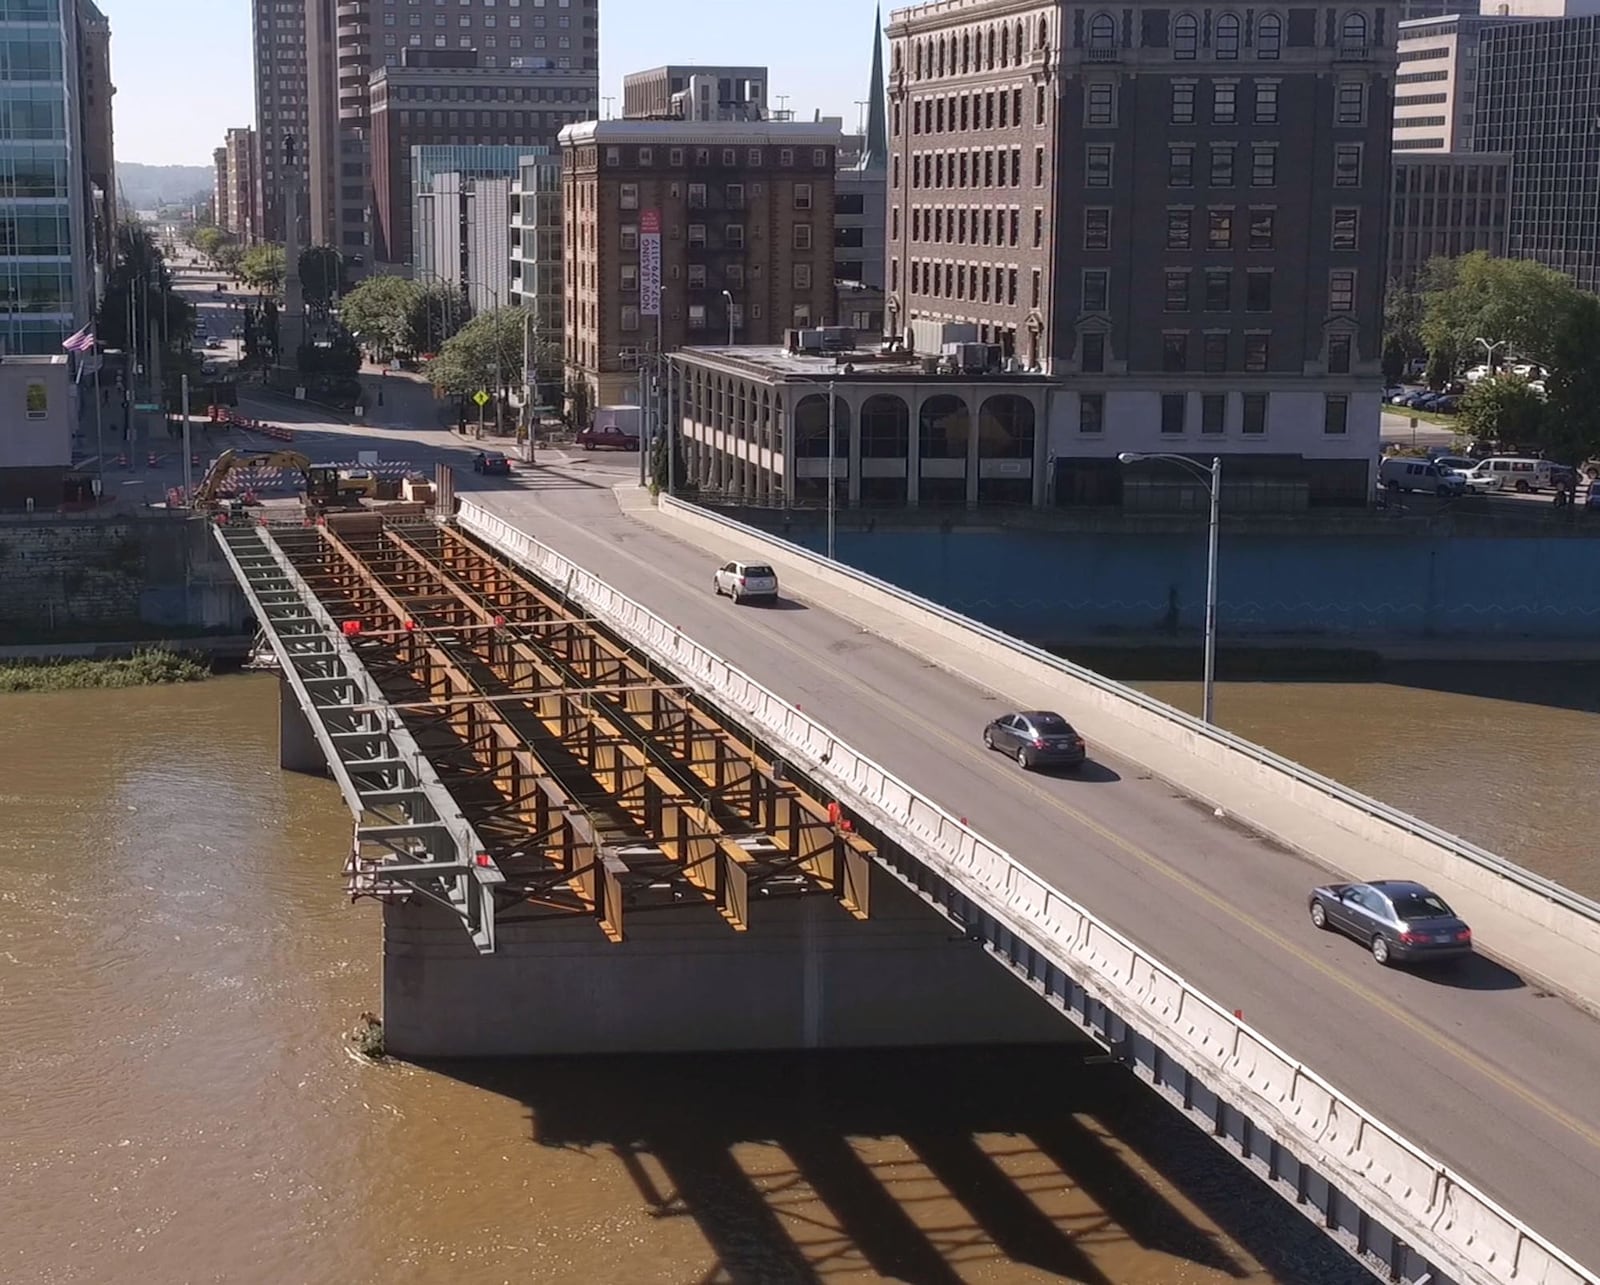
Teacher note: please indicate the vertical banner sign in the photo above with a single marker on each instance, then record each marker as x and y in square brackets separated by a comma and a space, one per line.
[649, 263]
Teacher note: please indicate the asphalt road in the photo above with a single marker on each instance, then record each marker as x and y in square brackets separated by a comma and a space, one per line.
[1475, 1066]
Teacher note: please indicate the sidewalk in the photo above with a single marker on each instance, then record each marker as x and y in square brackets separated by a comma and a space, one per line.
[1539, 955]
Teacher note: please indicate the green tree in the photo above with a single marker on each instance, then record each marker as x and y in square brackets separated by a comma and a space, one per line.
[262, 267]
[228, 256]
[486, 353]
[439, 312]
[1518, 302]
[1572, 419]
[321, 274]
[1394, 360]
[1403, 311]
[209, 240]
[579, 409]
[378, 312]
[1502, 408]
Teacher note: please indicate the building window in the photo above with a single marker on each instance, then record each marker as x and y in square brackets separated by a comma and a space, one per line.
[1347, 165]
[1096, 290]
[628, 196]
[1266, 102]
[1258, 291]
[629, 237]
[1351, 108]
[1219, 289]
[613, 156]
[697, 316]
[1176, 298]
[697, 236]
[802, 196]
[1222, 165]
[1263, 165]
[1097, 166]
[1091, 411]
[1269, 36]
[646, 156]
[1092, 350]
[1338, 354]
[1182, 102]
[1219, 229]
[1038, 167]
[630, 278]
[1175, 352]
[1254, 420]
[1335, 413]
[697, 196]
[1262, 224]
[1101, 103]
[1172, 408]
[733, 236]
[1225, 41]
[1342, 291]
[36, 400]
[1224, 102]
[630, 316]
[1179, 222]
[697, 276]
[1185, 36]
[1213, 410]
[802, 276]
[1038, 226]
[1255, 351]
[1346, 223]
[802, 236]
[1180, 166]
[1097, 228]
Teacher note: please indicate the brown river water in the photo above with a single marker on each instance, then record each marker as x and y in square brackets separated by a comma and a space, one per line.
[178, 967]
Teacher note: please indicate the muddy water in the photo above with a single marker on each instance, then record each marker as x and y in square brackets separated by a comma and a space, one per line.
[1501, 754]
[178, 965]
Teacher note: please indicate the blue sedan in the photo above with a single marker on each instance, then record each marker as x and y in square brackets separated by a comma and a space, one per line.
[1398, 921]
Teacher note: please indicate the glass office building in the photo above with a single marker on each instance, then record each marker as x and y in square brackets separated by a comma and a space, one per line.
[44, 259]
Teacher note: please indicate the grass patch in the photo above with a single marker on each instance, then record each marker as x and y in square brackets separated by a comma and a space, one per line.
[143, 669]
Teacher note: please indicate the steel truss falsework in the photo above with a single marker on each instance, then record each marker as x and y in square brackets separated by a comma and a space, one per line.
[592, 783]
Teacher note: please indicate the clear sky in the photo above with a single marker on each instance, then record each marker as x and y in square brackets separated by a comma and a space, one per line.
[182, 67]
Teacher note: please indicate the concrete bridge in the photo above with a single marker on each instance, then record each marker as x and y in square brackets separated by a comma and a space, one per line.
[591, 831]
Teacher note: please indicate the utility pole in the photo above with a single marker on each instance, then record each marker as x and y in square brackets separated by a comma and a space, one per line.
[832, 502]
[188, 463]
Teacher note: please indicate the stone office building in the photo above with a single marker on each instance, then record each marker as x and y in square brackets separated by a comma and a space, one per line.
[1177, 214]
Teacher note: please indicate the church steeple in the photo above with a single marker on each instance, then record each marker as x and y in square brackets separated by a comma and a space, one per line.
[875, 146]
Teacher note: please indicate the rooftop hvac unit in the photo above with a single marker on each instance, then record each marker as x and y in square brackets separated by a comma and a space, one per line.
[809, 340]
[837, 338]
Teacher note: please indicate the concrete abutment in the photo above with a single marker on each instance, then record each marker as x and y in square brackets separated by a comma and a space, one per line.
[298, 747]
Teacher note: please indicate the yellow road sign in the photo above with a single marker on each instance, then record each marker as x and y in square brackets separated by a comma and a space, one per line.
[480, 397]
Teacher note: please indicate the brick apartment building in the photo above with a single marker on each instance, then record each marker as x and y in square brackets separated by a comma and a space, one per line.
[678, 231]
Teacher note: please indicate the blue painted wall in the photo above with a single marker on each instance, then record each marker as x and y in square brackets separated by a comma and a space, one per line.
[1053, 586]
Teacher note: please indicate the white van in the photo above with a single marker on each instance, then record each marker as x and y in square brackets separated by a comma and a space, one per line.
[1404, 473]
[1514, 473]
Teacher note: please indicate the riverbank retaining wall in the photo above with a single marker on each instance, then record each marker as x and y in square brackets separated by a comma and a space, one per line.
[70, 578]
[1142, 585]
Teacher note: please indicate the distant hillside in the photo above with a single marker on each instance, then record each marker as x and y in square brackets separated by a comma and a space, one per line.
[146, 186]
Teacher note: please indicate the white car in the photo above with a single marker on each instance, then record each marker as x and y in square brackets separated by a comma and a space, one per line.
[746, 582]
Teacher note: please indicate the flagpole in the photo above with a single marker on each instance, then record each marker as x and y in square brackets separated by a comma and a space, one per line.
[99, 433]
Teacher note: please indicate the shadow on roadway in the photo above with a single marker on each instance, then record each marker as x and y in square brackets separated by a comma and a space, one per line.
[926, 1165]
[1471, 973]
[1092, 772]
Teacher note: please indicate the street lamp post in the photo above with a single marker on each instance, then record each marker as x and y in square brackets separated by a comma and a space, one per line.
[1212, 478]
[499, 379]
[728, 295]
[832, 404]
[1490, 348]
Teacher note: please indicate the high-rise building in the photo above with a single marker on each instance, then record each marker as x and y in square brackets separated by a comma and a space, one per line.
[1538, 99]
[242, 200]
[221, 189]
[1185, 220]
[95, 92]
[536, 260]
[462, 228]
[282, 88]
[339, 35]
[1434, 99]
[444, 97]
[691, 232]
[47, 202]
[696, 93]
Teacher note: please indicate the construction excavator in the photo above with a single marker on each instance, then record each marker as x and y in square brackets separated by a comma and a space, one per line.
[320, 482]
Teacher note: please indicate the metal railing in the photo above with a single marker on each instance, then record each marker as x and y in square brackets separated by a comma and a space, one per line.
[1524, 878]
[1456, 1225]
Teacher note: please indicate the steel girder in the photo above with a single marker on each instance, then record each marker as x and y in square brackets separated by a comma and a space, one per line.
[401, 808]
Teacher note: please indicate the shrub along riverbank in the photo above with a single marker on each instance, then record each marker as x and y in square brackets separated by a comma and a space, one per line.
[142, 669]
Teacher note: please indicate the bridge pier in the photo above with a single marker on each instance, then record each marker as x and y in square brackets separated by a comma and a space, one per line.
[806, 975]
[298, 750]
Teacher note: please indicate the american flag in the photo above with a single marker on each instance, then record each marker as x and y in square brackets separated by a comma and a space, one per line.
[83, 341]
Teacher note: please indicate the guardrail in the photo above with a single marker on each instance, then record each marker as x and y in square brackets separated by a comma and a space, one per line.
[1460, 1230]
[1526, 879]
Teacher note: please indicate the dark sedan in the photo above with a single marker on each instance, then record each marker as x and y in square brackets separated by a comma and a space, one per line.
[492, 463]
[1037, 738]
[1398, 921]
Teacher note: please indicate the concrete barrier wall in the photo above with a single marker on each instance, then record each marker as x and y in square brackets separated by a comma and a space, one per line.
[1127, 722]
[1458, 1228]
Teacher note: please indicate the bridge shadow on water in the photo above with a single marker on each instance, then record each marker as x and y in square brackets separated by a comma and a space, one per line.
[936, 1165]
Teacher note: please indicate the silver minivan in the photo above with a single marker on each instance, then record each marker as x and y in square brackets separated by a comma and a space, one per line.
[1404, 473]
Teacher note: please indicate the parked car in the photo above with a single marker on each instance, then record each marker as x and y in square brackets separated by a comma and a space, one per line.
[1447, 403]
[1593, 500]
[746, 582]
[1036, 738]
[606, 437]
[214, 341]
[1398, 473]
[492, 463]
[1394, 392]
[1467, 470]
[1397, 920]
[1516, 473]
